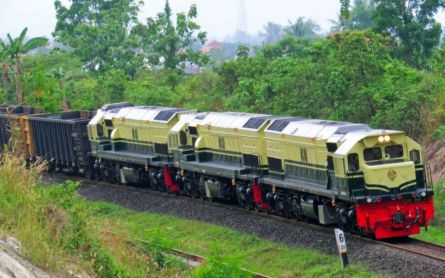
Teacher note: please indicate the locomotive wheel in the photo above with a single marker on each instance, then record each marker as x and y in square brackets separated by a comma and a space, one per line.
[89, 174]
[194, 191]
[49, 167]
[241, 201]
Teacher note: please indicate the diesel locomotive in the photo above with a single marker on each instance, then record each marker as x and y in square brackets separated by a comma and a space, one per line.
[369, 181]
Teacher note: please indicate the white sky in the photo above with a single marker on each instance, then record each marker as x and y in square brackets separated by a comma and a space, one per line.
[218, 17]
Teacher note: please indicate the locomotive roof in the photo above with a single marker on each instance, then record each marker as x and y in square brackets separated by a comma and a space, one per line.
[310, 128]
[149, 113]
[350, 139]
[233, 120]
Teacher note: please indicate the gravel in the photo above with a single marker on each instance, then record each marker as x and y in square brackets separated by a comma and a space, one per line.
[379, 258]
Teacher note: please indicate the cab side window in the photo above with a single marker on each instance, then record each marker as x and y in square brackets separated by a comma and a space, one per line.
[182, 138]
[100, 131]
[353, 164]
[414, 156]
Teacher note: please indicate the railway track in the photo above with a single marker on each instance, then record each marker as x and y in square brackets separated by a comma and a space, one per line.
[417, 246]
[194, 260]
[410, 245]
[190, 259]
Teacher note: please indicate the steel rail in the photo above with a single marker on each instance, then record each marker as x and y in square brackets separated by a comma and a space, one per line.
[418, 247]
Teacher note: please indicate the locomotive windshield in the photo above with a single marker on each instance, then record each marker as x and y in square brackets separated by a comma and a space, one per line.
[371, 154]
[391, 153]
[394, 151]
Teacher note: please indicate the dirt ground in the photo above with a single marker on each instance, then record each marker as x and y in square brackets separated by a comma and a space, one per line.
[435, 157]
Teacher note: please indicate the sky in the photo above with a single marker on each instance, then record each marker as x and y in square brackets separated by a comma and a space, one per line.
[219, 18]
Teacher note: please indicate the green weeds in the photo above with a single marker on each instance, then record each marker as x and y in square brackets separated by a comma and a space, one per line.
[436, 230]
[61, 232]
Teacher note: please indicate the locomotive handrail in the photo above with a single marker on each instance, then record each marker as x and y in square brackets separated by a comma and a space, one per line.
[428, 177]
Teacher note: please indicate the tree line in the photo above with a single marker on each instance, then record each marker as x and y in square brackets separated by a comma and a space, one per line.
[382, 63]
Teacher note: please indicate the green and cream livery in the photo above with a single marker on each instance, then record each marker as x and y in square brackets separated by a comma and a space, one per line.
[345, 159]
[384, 161]
[325, 170]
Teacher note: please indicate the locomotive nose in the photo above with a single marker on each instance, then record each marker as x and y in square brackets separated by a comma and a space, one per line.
[399, 217]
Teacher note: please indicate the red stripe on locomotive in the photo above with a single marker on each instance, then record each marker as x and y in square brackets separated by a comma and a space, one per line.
[169, 181]
[257, 195]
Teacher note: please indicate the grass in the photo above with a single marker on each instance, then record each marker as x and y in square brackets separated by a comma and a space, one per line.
[436, 230]
[58, 230]
[225, 247]
[61, 232]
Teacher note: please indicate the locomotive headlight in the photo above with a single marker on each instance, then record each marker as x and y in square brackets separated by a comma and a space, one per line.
[423, 193]
[387, 138]
[381, 139]
[369, 200]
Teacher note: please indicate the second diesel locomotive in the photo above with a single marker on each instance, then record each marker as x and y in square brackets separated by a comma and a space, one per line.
[369, 181]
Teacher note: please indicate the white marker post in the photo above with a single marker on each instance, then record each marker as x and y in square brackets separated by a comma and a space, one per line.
[341, 243]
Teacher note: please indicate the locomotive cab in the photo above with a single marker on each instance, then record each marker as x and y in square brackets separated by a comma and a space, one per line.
[389, 163]
[386, 176]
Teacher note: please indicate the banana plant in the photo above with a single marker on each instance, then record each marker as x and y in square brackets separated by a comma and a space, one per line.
[17, 47]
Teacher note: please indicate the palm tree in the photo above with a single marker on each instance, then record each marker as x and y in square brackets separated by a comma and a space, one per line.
[18, 47]
[302, 28]
[272, 32]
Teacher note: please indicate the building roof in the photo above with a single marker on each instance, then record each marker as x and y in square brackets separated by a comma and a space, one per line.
[208, 47]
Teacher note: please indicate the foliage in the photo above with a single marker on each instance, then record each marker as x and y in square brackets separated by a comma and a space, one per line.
[404, 98]
[98, 32]
[226, 249]
[438, 134]
[170, 44]
[361, 14]
[227, 51]
[288, 46]
[221, 267]
[345, 14]
[413, 24]
[272, 32]
[40, 90]
[357, 16]
[50, 79]
[59, 232]
[5, 68]
[15, 49]
[201, 92]
[436, 231]
[148, 91]
[243, 51]
[111, 86]
[302, 28]
[351, 76]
